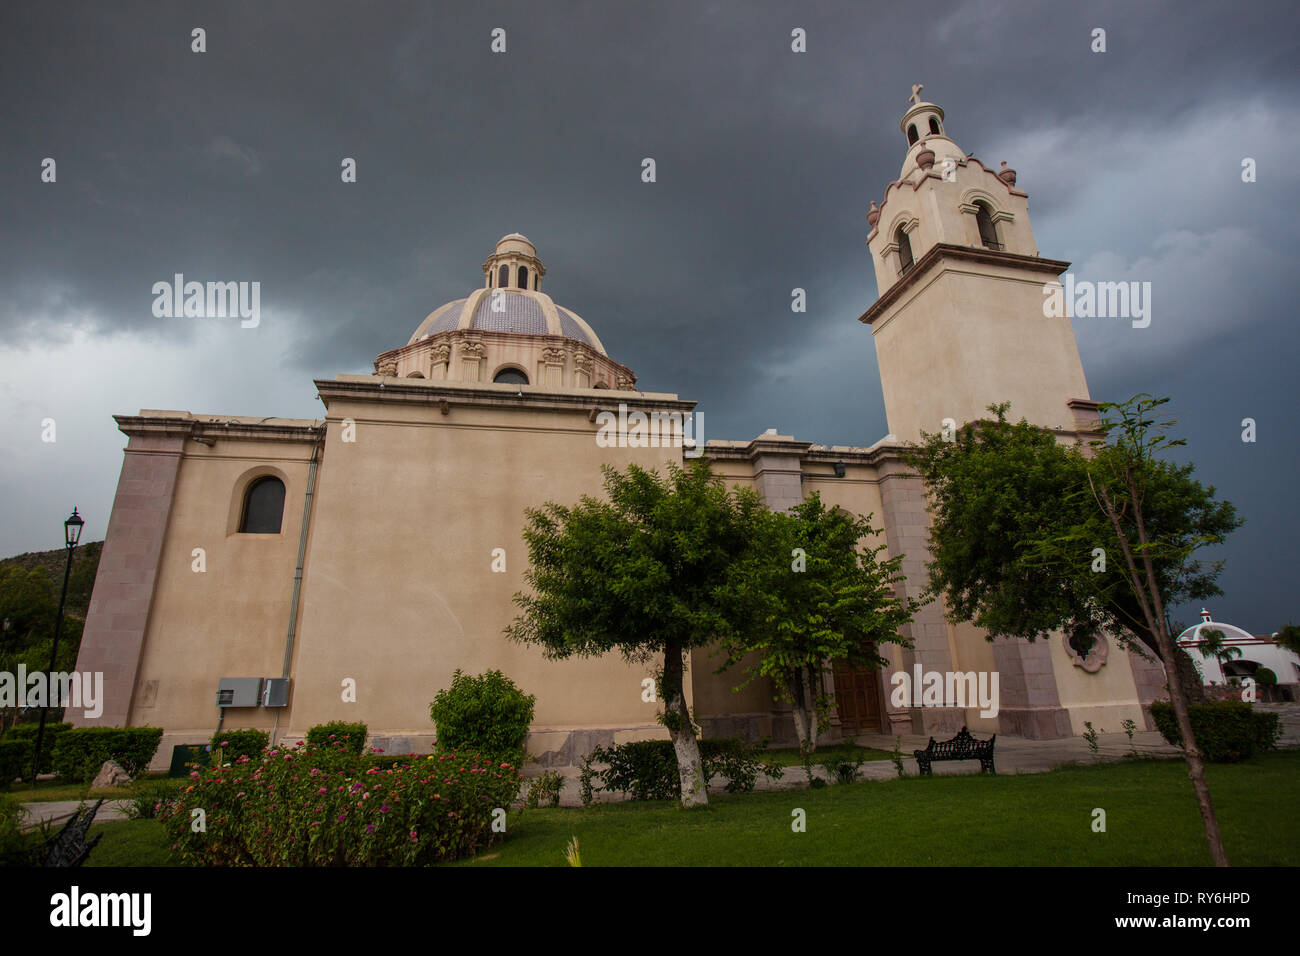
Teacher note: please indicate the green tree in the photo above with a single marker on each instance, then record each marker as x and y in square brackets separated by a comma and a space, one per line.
[815, 596]
[29, 603]
[1288, 638]
[1032, 536]
[647, 573]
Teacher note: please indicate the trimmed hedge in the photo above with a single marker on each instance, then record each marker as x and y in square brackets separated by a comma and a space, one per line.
[647, 769]
[1227, 731]
[28, 732]
[80, 752]
[15, 760]
[486, 713]
[240, 743]
[353, 736]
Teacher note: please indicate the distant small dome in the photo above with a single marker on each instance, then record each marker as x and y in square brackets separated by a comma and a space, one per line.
[1231, 633]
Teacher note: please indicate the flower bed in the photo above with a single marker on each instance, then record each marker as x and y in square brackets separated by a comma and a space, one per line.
[325, 806]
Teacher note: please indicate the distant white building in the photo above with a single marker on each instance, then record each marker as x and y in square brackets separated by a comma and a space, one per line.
[1256, 652]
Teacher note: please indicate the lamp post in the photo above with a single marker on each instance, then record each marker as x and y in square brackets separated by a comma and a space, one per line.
[71, 535]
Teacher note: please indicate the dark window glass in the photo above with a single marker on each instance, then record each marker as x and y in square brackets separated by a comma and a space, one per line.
[988, 231]
[511, 376]
[537, 281]
[904, 250]
[503, 277]
[523, 278]
[263, 507]
[911, 134]
[934, 126]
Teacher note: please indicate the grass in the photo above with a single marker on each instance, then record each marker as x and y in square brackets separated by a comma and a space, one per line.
[48, 790]
[789, 756]
[1029, 819]
[131, 843]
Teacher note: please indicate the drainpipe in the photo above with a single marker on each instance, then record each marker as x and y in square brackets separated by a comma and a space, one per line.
[297, 571]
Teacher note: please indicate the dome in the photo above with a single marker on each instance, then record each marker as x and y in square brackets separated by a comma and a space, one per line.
[507, 332]
[509, 310]
[1231, 633]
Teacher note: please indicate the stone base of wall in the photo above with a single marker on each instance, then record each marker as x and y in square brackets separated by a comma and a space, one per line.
[1037, 723]
[940, 722]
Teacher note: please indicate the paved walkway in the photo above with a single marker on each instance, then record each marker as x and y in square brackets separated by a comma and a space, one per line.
[1012, 755]
[58, 811]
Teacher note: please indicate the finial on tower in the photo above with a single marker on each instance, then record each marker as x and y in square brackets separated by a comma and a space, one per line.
[916, 93]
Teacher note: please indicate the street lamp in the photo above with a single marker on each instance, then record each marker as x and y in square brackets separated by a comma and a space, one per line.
[71, 535]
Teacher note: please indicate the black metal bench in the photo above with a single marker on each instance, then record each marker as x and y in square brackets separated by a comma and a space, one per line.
[961, 747]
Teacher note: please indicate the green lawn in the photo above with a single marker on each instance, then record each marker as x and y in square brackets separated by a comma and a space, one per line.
[49, 790]
[1030, 819]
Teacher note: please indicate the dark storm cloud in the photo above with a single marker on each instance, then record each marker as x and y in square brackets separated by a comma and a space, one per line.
[225, 166]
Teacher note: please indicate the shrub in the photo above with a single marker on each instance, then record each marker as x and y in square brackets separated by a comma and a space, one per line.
[150, 798]
[1265, 675]
[325, 806]
[80, 752]
[28, 732]
[240, 743]
[16, 848]
[487, 713]
[1227, 731]
[15, 760]
[352, 736]
[738, 761]
[647, 769]
[545, 791]
[845, 769]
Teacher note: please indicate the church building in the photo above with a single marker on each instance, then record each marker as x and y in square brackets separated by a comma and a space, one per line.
[279, 573]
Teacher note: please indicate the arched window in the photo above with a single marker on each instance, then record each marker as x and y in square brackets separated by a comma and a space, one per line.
[523, 277]
[911, 134]
[904, 250]
[934, 126]
[537, 281]
[988, 231]
[511, 376]
[263, 507]
[503, 277]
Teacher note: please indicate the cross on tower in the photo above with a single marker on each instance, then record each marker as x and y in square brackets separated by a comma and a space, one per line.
[916, 93]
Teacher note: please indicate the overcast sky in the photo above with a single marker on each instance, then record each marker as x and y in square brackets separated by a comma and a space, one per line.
[225, 165]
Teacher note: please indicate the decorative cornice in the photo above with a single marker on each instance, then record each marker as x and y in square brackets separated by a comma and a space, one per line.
[425, 392]
[206, 431]
[944, 250]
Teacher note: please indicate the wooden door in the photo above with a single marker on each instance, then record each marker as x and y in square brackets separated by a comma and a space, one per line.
[857, 699]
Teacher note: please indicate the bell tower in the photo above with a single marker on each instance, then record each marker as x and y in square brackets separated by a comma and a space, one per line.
[959, 323]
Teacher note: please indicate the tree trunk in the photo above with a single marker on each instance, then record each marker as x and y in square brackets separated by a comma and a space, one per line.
[1148, 596]
[1193, 684]
[804, 710]
[677, 717]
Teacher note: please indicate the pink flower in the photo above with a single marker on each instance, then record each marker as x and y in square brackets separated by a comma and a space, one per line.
[322, 790]
[370, 828]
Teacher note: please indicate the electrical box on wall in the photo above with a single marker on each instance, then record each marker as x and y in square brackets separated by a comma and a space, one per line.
[275, 692]
[239, 691]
